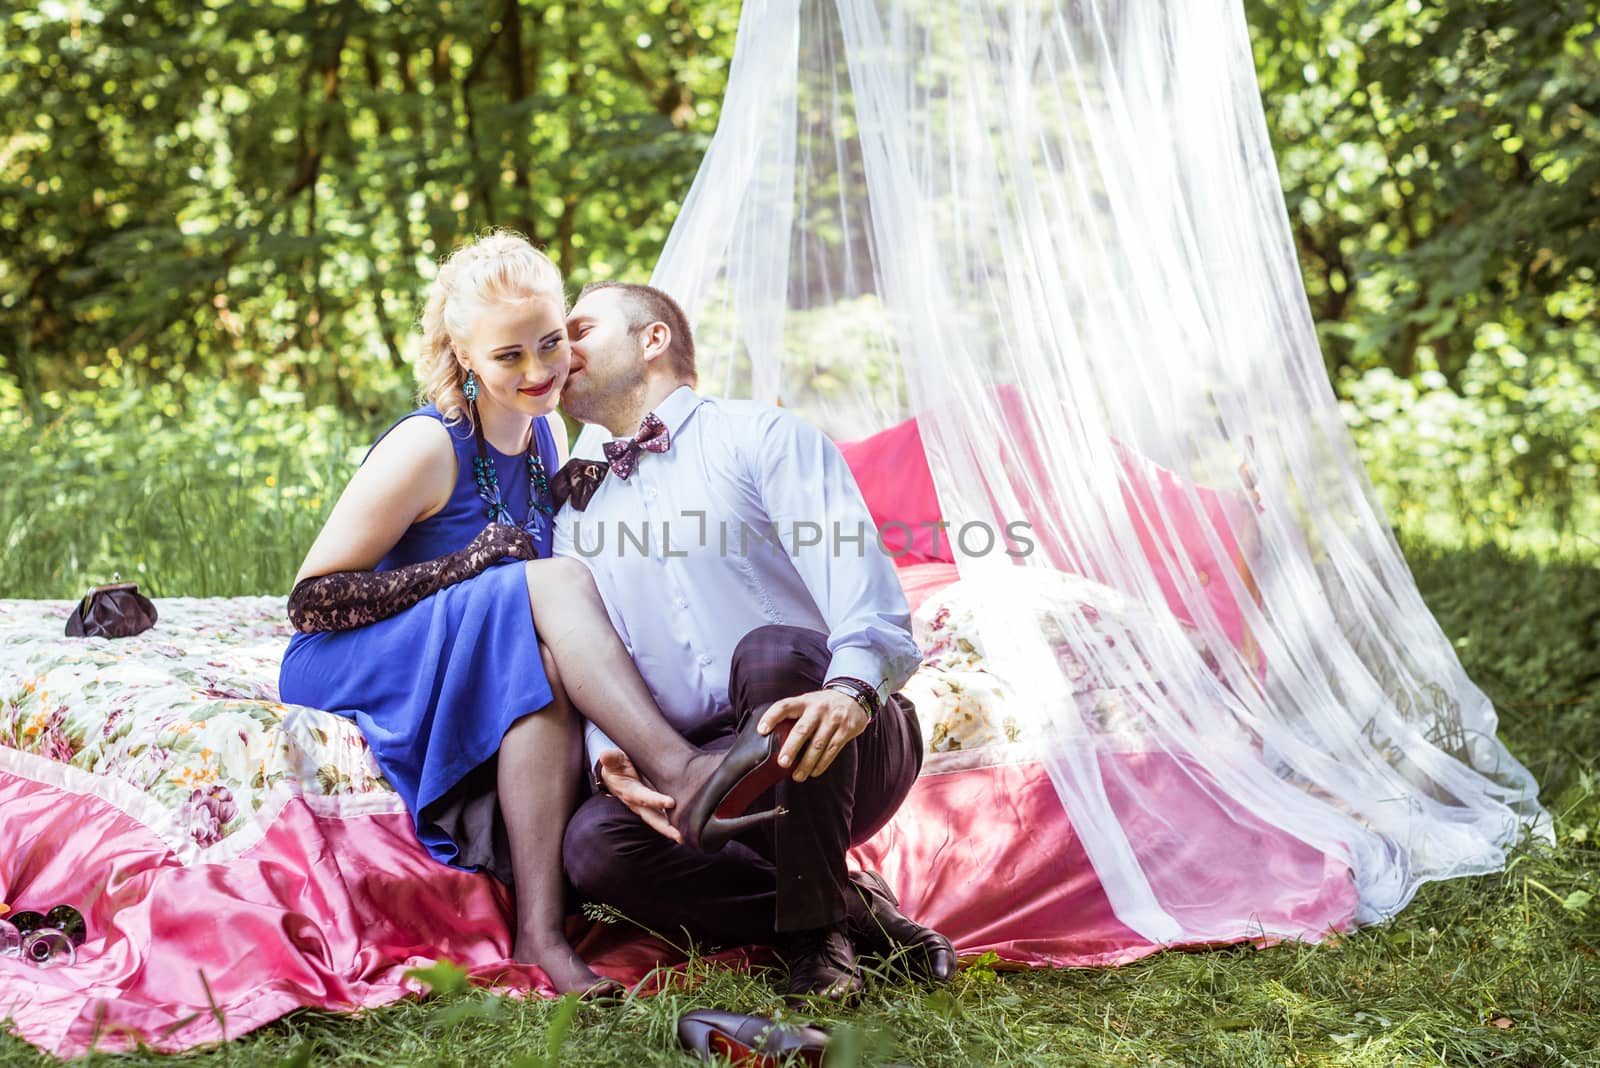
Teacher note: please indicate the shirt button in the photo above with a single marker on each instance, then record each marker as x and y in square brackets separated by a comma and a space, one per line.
[1205, 579]
[681, 603]
[705, 661]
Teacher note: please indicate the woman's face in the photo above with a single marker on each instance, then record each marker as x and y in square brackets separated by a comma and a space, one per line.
[520, 354]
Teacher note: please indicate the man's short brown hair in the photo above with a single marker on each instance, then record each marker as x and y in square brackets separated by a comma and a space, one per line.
[646, 305]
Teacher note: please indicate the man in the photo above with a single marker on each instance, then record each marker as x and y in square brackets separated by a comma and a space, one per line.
[741, 568]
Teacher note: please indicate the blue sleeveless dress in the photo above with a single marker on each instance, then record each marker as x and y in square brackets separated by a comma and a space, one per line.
[435, 688]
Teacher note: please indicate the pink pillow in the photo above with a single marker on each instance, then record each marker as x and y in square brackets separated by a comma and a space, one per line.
[892, 471]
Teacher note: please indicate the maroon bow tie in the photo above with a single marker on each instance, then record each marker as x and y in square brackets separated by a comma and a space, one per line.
[652, 437]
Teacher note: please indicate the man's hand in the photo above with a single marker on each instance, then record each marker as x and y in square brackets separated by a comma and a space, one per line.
[827, 719]
[629, 787]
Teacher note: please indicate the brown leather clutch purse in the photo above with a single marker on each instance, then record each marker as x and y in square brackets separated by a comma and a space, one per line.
[118, 610]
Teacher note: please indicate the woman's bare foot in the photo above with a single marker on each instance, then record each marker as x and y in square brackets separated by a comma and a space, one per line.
[567, 972]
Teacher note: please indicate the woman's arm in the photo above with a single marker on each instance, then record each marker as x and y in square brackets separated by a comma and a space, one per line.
[408, 477]
[344, 600]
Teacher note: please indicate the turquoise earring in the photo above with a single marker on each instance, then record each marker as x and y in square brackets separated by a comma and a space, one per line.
[469, 388]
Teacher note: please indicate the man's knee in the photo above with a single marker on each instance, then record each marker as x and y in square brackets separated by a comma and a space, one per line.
[776, 657]
[779, 641]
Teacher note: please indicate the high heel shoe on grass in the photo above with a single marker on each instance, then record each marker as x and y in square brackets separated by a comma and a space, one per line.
[749, 1041]
[716, 813]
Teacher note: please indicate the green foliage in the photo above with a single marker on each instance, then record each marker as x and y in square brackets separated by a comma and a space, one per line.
[253, 193]
[221, 498]
[1441, 163]
[441, 978]
[1510, 456]
[555, 1035]
[255, 190]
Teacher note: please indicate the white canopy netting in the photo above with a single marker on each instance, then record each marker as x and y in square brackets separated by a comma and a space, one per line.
[1052, 231]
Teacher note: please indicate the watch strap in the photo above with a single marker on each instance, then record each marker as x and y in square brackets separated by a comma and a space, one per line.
[866, 694]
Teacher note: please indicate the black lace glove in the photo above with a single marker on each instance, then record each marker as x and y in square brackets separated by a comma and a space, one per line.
[345, 600]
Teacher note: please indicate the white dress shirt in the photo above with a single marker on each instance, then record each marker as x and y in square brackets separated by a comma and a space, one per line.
[683, 554]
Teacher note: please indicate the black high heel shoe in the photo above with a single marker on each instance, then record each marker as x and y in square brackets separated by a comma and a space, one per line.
[749, 1041]
[716, 813]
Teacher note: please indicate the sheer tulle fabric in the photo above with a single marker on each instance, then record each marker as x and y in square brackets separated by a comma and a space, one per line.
[1053, 233]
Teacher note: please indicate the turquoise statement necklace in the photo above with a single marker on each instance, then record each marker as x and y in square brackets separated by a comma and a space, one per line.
[541, 506]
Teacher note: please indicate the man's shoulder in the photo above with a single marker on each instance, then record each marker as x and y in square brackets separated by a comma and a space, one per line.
[749, 415]
[734, 408]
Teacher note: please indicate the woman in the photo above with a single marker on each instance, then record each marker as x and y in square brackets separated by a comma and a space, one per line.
[458, 667]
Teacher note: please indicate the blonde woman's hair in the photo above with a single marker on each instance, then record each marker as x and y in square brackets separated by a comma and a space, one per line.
[501, 266]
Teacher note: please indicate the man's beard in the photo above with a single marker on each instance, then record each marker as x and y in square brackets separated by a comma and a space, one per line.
[579, 404]
[604, 403]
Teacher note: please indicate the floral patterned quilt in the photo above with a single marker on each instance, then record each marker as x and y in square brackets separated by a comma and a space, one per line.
[966, 700]
[181, 726]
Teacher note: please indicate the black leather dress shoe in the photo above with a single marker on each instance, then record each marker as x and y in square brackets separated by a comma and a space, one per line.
[822, 964]
[749, 1041]
[875, 923]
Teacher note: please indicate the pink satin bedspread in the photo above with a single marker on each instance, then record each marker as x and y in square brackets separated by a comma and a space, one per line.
[329, 912]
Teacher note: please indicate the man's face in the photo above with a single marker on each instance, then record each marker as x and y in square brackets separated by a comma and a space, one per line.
[608, 366]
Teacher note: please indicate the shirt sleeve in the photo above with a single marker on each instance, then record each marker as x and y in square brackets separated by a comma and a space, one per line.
[822, 521]
[595, 745]
[561, 542]
[568, 520]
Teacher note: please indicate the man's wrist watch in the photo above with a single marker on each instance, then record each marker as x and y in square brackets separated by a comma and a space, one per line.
[866, 695]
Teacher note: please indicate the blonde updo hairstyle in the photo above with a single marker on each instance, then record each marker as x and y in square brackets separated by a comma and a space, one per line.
[498, 267]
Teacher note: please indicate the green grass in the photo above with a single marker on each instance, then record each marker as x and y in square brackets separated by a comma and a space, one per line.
[211, 501]
[1498, 970]
[1486, 971]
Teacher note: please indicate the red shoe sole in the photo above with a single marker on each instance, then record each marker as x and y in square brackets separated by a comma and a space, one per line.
[759, 779]
[742, 1056]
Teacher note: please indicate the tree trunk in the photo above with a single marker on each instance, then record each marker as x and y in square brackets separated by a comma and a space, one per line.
[566, 224]
[23, 368]
[521, 214]
[483, 175]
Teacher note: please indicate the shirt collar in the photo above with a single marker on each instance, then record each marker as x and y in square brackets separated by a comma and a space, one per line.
[676, 409]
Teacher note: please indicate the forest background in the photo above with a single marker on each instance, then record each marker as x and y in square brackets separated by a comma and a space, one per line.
[219, 219]
[216, 221]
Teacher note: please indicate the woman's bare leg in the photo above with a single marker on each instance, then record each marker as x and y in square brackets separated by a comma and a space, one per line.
[538, 783]
[601, 679]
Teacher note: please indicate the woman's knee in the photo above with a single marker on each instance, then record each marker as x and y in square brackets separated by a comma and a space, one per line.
[561, 575]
